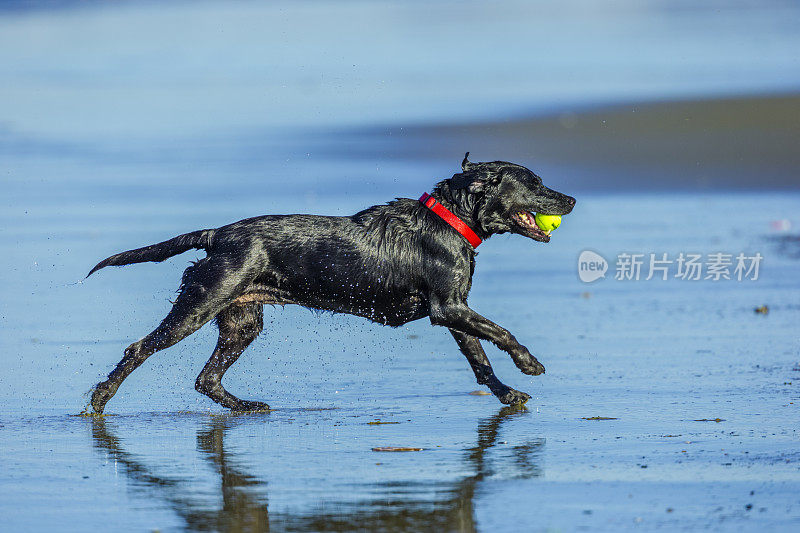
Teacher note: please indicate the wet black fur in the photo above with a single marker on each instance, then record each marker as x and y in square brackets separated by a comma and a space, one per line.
[390, 263]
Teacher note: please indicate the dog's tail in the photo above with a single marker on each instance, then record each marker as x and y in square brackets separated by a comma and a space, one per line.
[156, 253]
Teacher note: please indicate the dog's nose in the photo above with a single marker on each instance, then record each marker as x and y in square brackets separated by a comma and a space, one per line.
[570, 203]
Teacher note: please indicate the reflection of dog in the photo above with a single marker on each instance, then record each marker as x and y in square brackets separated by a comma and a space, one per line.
[390, 263]
[244, 499]
[242, 509]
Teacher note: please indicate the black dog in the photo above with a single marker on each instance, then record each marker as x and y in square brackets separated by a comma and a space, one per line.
[390, 263]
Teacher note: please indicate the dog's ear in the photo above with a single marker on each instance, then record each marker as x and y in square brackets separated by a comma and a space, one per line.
[465, 164]
[474, 181]
[471, 180]
[474, 177]
[466, 178]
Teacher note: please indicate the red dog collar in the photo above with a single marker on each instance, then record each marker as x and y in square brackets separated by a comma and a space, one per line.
[430, 202]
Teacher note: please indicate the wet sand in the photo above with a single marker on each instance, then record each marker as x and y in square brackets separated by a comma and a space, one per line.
[696, 393]
[745, 143]
[700, 392]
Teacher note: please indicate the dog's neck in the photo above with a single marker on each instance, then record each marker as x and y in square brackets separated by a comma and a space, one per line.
[462, 204]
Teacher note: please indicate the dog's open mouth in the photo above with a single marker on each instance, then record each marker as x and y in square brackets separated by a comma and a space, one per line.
[527, 222]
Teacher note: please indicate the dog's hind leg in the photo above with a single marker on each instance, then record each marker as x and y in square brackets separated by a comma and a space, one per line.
[239, 325]
[205, 291]
[473, 351]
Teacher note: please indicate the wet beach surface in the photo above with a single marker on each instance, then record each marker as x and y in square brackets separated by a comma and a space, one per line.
[701, 392]
[730, 143]
[667, 404]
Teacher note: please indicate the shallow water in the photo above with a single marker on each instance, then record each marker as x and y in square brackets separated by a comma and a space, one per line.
[700, 392]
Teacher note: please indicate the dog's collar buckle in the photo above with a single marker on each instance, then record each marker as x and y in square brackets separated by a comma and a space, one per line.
[445, 214]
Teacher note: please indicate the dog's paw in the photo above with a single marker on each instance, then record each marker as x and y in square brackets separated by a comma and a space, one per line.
[528, 364]
[100, 395]
[247, 406]
[533, 369]
[513, 397]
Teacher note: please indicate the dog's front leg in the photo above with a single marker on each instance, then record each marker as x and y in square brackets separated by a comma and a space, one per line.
[458, 316]
[473, 351]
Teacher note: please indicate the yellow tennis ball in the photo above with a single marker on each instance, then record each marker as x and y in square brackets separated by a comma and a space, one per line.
[547, 222]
